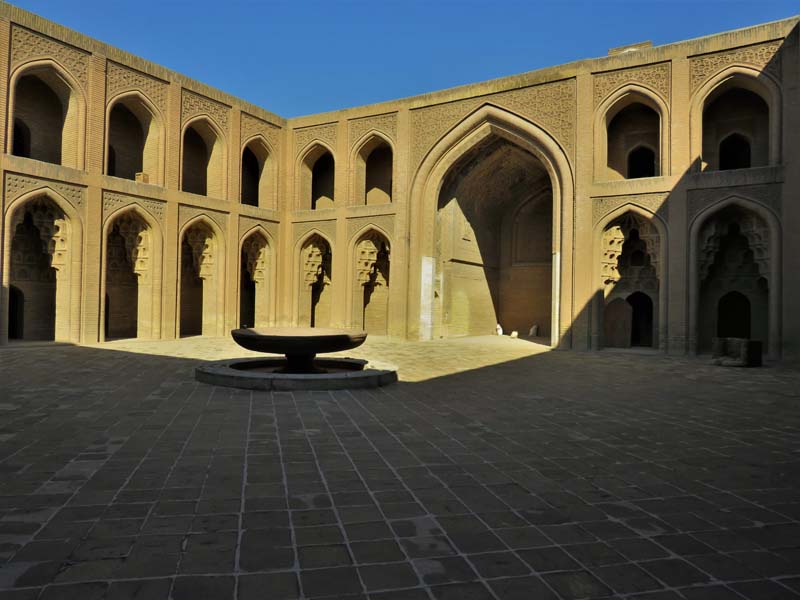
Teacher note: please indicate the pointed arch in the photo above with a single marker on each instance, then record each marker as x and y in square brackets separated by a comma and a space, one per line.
[149, 272]
[379, 278]
[201, 258]
[302, 297]
[204, 157]
[315, 181]
[256, 277]
[662, 270]
[153, 145]
[372, 171]
[486, 121]
[736, 77]
[612, 105]
[70, 142]
[258, 180]
[66, 248]
[774, 246]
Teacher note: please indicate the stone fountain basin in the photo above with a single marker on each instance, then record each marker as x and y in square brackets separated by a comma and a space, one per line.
[298, 341]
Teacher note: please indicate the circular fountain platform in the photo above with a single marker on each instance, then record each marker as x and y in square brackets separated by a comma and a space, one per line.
[300, 369]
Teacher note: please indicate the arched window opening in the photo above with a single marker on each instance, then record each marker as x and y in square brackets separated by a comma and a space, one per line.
[195, 163]
[134, 141]
[641, 163]
[378, 184]
[251, 177]
[322, 184]
[733, 316]
[203, 161]
[734, 153]
[126, 138]
[735, 130]
[254, 282]
[632, 131]
[371, 293]
[315, 281]
[40, 109]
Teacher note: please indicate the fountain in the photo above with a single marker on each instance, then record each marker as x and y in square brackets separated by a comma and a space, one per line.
[300, 369]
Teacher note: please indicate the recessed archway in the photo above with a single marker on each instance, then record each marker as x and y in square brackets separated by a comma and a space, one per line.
[201, 279]
[374, 167]
[132, 276]
[317, 178]
[314, 294]
[135, 139]
[42, 261]
[47, 111]
[257, 175]
[254, 281]
[426, 270]
[371, 278]
[203, 162]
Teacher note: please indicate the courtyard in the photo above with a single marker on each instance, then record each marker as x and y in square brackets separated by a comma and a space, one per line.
[495, 469]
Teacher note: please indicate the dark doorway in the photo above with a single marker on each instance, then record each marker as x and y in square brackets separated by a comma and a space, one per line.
[641, 319]
[247, 297]
[21, 142]
[16, 314]
[733, 316]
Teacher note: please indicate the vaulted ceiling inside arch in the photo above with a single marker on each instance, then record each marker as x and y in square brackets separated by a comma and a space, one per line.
[492, 178]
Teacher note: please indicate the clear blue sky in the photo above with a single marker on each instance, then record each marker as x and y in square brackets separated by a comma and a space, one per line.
[307, 56]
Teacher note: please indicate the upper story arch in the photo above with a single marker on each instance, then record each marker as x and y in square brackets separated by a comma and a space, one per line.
[135, 139]
[373, 169]
[47, 114]
[738, 100]
[203, 158]
[629, 119]
[316, 177]
[258, 181]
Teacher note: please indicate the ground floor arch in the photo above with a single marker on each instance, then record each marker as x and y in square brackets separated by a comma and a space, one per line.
[735, 273]
[315, 297]
[254, 281]
[201, 280]
[370, 294]
[41, 269]
[132, 277]
[631, 296]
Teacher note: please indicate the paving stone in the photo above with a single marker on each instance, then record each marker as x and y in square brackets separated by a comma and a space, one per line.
[498, 564]
[576, 584]
[388, 576]
[145, 589]
[329, 582]
[275, 586]
[522, 588]
[192, 588]
[314, 557]
[444, 570]
[378, 551]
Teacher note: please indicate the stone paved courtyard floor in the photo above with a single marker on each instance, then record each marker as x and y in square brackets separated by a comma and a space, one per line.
[494, 470]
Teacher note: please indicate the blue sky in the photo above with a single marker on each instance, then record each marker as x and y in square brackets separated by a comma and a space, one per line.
[300, 57]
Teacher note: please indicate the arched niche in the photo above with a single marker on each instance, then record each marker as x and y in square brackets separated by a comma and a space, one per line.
[203, 159]
[370, 277]
[630, 262]
[258, 175]
[135, 137]
[201, 279]
[131, 287]
[47, 112]
[426, 308]
[631, 118]
[314, 281]
[255, 279]
[374, 171]
[317, 178]
[735, 246]
[739, 99]
[42, 259]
